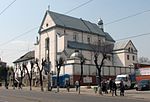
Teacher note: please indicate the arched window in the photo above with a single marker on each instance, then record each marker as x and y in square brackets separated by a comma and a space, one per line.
[129, 49]
[47, 43]
[75, 36]
[132, 50]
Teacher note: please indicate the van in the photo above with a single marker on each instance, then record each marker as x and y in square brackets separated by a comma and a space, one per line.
[126, 80]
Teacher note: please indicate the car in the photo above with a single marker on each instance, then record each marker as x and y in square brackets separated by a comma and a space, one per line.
[143, 85]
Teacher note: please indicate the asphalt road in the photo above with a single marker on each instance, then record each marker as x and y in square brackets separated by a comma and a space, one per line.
[38, 96]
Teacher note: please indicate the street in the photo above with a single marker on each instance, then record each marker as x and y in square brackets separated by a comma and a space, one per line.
[11, 95]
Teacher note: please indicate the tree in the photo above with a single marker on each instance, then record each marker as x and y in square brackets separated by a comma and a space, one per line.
[40, 72]
[13, 76]
[59, 63]
[144, 60]
[101, 49]
[82, 61]
[22, 75]
[1, 73]
[29, 73]
[6, 77]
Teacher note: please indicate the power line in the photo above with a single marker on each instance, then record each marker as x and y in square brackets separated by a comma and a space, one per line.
[38, 26]
[135, 36]
[78, 6]
[19, 36]
[136, 14]
[7, 7]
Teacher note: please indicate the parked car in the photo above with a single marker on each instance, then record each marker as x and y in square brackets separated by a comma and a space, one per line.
[143, 85]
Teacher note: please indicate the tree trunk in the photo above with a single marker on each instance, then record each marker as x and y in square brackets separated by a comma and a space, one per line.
[58, 71]
[41, 81]
[81, 76]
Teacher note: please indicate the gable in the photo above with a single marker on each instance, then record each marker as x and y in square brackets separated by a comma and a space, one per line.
[46, 23]
[130, 46]
[124, 45]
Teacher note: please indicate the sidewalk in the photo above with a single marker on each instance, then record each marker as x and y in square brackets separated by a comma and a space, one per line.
[84, 91]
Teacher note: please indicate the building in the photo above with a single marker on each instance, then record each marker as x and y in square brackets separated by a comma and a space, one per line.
[125, 54]
[62, 35]
[68, 37]
[25, 59]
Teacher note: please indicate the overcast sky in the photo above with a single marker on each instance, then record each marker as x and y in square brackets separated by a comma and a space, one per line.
[24, 15]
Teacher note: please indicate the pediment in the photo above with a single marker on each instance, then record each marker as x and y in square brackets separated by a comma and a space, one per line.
[130, 45]
[46, 23]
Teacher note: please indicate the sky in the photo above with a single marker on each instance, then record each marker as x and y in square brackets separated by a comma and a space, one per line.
[20, 22]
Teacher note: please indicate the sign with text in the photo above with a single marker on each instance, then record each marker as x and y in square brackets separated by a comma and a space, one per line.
[87, 79]
[144, 71]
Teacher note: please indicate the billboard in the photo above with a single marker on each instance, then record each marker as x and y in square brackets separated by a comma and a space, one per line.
[143, 71]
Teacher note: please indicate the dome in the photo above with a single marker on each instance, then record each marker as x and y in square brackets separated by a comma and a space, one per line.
[76, 54]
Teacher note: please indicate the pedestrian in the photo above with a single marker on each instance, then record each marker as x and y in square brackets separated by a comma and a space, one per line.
[104, 87]
[67, 85]
[114, 88]
[77, 85]
[110, 85]
[20, 85]
[122, 88]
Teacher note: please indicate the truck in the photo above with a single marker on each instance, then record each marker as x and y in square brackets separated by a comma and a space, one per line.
[142, 72]
[129, 80]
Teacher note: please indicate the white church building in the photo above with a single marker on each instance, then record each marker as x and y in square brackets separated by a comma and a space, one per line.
[62, 35]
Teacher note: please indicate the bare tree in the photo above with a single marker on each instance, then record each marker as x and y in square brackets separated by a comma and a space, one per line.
[101, 49]
[13, 76]
[6, 77]
[40, 72]
[144, 60]
[82, 61]
[59, 63]
[22, 76]
[29, 73]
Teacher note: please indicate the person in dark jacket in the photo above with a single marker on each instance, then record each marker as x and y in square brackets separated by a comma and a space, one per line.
[114, 88]
[67, 85]
[110, 84]
[122, 88]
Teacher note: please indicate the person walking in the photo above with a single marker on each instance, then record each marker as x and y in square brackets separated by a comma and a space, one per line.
[67, 85]
[122, 88]
[114, 88]
[110, 85]
[77, 85]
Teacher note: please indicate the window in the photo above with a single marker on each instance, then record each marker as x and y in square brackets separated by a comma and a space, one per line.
[133, 57]
[132, 50]
[128, 57]
[75, 36]
[129, 49]
[46, 24]
[47, 43]
[88, 39]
